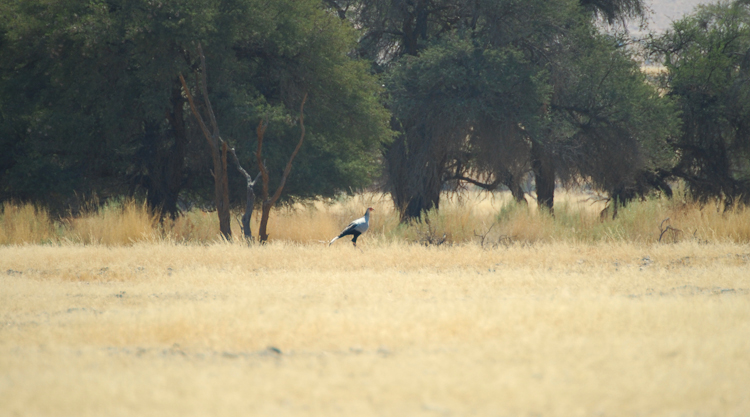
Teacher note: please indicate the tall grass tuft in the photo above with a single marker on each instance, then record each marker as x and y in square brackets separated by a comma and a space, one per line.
[320, 221]
[489, 219]
[710, 223]
[115, 223]
[25, 224]
[195, 226]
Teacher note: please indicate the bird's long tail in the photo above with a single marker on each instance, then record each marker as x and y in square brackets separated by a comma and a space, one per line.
[333, 240]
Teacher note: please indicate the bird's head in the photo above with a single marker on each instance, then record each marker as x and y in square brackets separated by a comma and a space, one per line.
[370, 209]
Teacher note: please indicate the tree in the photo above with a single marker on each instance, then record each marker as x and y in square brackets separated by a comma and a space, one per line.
[98, 106]
[394, 28]
[306, 53]
[707, 56]
[464, 107]
[483, 148]
[524, 87]
[621, 125]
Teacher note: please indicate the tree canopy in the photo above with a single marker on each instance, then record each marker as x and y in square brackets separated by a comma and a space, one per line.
[92, 103]
[524, 87]
[426, 93]
[707, 57]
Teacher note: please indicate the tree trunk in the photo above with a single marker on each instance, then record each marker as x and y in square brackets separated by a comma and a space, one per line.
[249, 206]
[396, 165]
[154, 159]
[414, 26]
[218, 149]
[514, 185]
[164, 161]
[250, 202]
[173, 161]
[426, 197]
[516, 191]
[414, 176]
[179, 149]
[265, 212]
[414, 191]
[163, 158]
[544, 176]
[221, 192]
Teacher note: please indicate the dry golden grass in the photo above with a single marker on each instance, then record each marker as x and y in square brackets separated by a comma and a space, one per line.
[114, 224]
[514, 313]
[493, 219]
[553, 329]
[24, 224]
[654, 70]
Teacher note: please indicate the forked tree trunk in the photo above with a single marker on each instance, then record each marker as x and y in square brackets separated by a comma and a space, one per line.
[250, 200]
[268, 202]
[516, 191]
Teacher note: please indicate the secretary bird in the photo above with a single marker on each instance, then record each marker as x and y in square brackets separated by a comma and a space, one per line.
[355, 228]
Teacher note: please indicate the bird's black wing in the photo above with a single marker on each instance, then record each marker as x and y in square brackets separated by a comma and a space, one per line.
[352, 228]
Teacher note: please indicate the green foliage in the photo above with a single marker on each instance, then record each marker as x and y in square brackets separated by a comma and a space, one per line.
[611, 124]
[616, 10]
[458, 82]
[92, 103]
[525, 83]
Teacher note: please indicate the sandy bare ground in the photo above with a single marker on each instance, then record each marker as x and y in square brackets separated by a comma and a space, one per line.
[392, 330]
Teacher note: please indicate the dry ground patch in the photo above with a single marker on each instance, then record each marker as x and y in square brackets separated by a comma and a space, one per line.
[287, 329]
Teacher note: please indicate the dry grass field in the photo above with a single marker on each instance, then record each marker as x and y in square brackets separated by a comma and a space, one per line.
[608, 322]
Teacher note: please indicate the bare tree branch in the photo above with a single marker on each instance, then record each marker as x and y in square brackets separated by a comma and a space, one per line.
[244, 173]
[197, 115]
[487, 186]
[669, 227]
[269, 202]
[204, 91]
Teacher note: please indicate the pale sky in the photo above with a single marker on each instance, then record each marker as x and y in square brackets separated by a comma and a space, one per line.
[666, 11]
